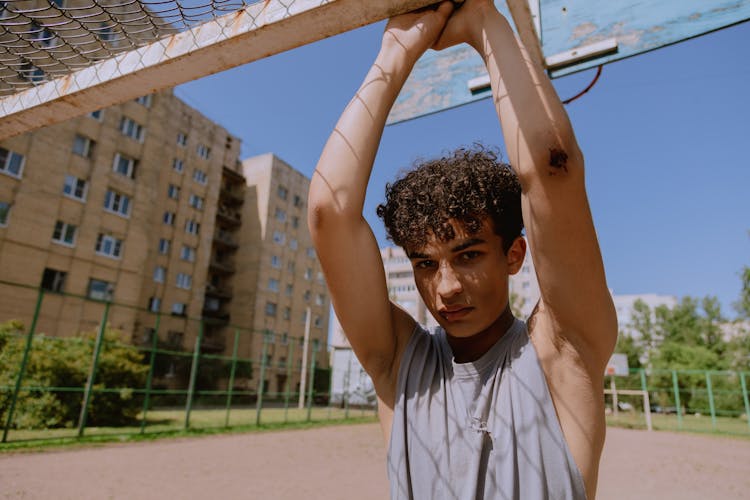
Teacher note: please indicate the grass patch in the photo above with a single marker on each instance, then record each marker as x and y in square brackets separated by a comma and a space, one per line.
[170, 423]
[734, 426]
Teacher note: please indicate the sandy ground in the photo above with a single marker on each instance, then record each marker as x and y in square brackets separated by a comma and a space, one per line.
[346, 462]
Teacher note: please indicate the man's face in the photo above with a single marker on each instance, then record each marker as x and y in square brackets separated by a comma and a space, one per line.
[464, 281]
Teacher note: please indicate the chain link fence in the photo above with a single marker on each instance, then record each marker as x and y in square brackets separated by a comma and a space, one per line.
[133, 373]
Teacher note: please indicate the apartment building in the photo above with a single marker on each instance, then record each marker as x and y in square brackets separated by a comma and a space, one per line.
[119, 205]
[278, 275]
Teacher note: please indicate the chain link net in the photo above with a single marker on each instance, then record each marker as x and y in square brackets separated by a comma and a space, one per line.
[41, 40]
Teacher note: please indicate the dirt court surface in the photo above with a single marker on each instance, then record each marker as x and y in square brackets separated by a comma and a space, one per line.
[346, 462]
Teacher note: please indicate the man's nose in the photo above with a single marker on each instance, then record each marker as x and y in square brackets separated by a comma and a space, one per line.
[449, 283]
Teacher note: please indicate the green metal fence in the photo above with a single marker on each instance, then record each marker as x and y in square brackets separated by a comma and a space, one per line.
[228, 377]
[690, 400]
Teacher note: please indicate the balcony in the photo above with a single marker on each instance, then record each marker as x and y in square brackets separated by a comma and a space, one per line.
[222, 292]
[213, 343]
[223, 267]
[215, 317]
[228, 218]
[223, 239]
[231, 195]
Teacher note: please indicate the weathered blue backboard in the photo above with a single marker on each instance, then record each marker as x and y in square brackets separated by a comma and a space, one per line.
[572, 36]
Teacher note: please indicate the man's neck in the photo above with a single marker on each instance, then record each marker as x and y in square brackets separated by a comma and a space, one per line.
[468, 349]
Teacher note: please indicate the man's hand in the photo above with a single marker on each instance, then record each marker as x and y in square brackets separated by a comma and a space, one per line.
[417, 31]
[464, 24]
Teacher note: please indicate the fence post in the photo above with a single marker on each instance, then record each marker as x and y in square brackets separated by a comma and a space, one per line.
[347, 382]
[745, 398]
[678, 405]
[289, 358]
[92, 372]
[24, 361]
[193, 374]
[711, 400]
[312, 383]
[261, 382]
[150, 377]
[232, 372]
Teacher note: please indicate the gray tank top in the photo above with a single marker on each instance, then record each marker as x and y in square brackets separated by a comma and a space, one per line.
[479, 430]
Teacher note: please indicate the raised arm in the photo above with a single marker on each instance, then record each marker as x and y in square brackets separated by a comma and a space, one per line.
[348, 251]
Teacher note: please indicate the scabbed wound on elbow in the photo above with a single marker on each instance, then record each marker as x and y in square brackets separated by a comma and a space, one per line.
[558, 160]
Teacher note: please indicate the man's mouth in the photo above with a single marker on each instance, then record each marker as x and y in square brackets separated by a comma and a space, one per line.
[452, 314]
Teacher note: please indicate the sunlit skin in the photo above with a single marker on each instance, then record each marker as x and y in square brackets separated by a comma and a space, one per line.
[464, 284]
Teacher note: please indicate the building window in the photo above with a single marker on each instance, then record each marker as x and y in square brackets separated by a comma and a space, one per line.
[288, 291]
[270, 309]
[144, 100]
[306, 296]
[273, 284]
[181, 139]
[282, 192]
[287, 313]
[164, 246]
[159, 274]
[11, 163]
[97, 115]
[124, 165]
[168, 218]
[275, 261]
[311, 252]
[279, 237]
[297, 200]
[308, 274]
[75, 188]
[178, 165]
[105, 32]
[154, 303]
[280, 215]
[179, 309]
[284, 340]
[53, 280]
[117, 203]
[108, 246]
[290, 266]
[131, 129]
[100, 290]
[200, 176]
[173, 192]
[320, 278]
[196, 202]
[295, 221]
[83, 146]
[317, 322]
[293, 244]
[319, 299]
[203, 151]
[4, 213]
[192, 227]
[187, 253]
[64, 233]
[184, 281]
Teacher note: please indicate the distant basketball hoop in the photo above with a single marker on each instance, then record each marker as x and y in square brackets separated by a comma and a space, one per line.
[617, 365]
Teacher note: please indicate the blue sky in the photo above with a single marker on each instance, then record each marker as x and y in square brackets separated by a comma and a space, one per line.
[665, 136]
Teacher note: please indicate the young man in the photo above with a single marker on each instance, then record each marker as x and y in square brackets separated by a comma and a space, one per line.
[487, 406]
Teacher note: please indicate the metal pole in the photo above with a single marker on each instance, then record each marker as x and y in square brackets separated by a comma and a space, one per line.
[646, 399]
[261, 383]
[678, 404]
[347, 382]
[232, 372]
[92, 372]
[312, 384]
[289, 359]
[150, 378]
[24, 361]
[613, 388]
[301, 403]
[193, 374]
[711, 400]
[745, 398]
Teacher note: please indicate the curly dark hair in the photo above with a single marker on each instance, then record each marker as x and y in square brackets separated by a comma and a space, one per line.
[466, 185]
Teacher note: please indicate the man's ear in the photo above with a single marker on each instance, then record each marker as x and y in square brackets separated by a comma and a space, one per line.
[516, 254]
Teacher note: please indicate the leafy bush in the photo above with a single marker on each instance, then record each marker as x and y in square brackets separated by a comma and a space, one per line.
[56, 375]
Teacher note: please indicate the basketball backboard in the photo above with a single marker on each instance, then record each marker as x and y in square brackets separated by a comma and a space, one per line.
[566, 36]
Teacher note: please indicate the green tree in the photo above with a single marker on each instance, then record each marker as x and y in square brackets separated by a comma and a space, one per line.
[628, 345]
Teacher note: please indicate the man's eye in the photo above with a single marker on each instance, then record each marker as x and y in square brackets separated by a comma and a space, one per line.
[424, 264]
[466, 256]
